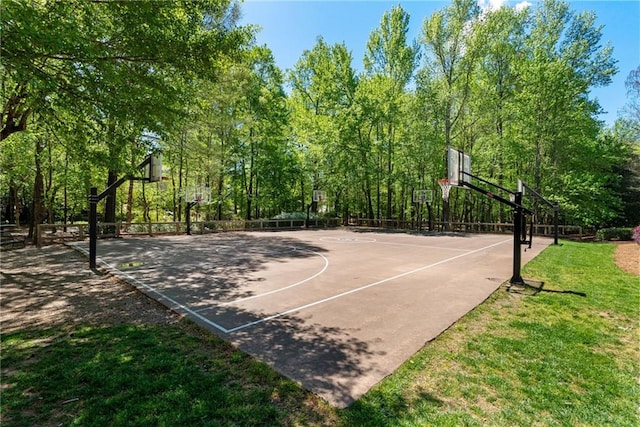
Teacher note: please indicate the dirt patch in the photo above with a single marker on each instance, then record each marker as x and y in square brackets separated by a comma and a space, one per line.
[53, 287]
[627, 257]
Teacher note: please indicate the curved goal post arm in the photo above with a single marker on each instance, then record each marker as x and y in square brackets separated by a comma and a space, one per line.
[491, 195]
[150, 161]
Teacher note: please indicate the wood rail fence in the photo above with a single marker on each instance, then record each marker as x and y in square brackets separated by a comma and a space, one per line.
[467, 227]
[57, 233]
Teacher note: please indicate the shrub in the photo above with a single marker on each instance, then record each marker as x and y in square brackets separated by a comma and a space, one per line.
[636, 234]
[295, 215]
[614, 233]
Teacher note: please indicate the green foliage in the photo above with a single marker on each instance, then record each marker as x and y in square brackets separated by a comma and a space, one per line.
[102, 83]
[126, 61]
[614, 233]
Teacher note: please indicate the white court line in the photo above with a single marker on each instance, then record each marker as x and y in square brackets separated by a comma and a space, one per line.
[137, 283]
[352, 291]
[424, 246]
[324, 268]
[347, 239]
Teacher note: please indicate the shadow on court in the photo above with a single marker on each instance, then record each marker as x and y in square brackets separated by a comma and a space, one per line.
[325, 360]
[203, 275]
[335, 310]
[211, 272]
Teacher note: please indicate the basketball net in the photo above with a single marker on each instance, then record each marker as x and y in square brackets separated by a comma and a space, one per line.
[446, 187]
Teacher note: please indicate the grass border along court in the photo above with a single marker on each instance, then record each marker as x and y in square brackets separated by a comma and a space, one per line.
[552, 358]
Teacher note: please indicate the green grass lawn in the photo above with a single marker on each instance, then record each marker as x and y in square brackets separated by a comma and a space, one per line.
[549, 359]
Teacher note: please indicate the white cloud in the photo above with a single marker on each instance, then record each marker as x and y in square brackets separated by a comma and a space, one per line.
[522, 5]
[491, 5]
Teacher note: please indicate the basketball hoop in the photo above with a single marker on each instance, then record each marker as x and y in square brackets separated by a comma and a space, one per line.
[446, 187]
[198, 194]
[319, 196]
[422, 196]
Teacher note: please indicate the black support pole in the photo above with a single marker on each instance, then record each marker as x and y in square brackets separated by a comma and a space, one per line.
[93, 226]
[187, 214]
[516, 279]
[555, 223]
[94, 198]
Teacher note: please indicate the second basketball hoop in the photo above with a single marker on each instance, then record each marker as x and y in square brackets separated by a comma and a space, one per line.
[198, 194]
[422, 196]
[319, 196]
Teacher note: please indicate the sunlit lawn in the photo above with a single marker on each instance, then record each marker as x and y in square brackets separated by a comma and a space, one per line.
[549, 359]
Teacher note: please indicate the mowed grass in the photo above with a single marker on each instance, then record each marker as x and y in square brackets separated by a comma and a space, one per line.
[555, 358]
[550, 359]
[155, 375]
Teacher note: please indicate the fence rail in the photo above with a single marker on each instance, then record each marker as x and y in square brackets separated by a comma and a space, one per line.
[57, 233]
[11, 237]
[466, 227]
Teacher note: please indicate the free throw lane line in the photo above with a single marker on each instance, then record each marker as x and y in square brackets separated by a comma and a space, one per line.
[353, 291]
[444, 248]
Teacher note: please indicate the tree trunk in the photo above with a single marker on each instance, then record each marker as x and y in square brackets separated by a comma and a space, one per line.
[220, 180]
[145, 204]
[249, 183]
[13, 212]
[38, 190]
[181, 166]
[110, 201]
[66, 191]
[130, 202]
[389, 172]
[50, 189]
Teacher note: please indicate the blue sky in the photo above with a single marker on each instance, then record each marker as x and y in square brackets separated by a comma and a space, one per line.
[290, 27]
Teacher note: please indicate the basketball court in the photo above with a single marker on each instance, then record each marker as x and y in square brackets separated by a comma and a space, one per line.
[336, 310]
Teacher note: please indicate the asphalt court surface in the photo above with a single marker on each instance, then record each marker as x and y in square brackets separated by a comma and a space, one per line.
[336, 310]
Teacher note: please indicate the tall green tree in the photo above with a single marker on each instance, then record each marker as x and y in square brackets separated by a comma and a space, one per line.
[389, 63]
[626, 133]
[123, 66]
[556, 124]
[323, 122]
[503, 32]
[263, 156]
[117, 58]
[451, 59]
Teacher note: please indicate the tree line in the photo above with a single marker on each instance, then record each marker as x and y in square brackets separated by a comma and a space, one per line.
[90, 87]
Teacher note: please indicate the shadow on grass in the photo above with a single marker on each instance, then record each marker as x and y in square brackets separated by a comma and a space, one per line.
[128, 366]
[139, 375]
[53, 286]
[533, 288]
[389, 409]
